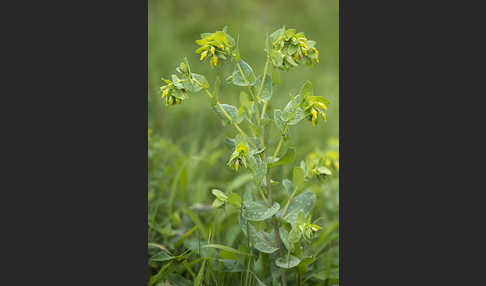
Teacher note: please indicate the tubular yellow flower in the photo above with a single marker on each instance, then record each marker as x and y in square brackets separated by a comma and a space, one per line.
[324, 116]
[213, 50]
[315, 227]
[165, 92]
[322, 105]
[203, 55]
[314, 116]
[214, 61]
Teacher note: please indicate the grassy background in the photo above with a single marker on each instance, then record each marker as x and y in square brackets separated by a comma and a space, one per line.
[186, 152]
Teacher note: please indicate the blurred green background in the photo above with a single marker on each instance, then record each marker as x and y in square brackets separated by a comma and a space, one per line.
[175, 25]
[187, 155]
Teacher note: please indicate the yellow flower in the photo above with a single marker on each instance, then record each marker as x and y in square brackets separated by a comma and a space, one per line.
[212, 50]
[324, 116]
[315, 227]
[165, 92]
[203, 55]
[314, 116]
[214, 61]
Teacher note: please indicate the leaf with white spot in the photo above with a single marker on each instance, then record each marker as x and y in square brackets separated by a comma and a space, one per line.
[262, 241]
[285, 263]
[303, 202]
[259, 211]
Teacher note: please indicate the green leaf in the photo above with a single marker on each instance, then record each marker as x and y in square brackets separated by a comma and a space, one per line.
[287, 185]
[230, 110]
[297, 116]
[258, 210]
[220, 195]
[191, 86]
[319, 99]
[266, 93]
[300, 219]
[290, 60]
[230, 265]
[262, 241]
[292, 261]
[199, 277]
[247, 72]
[323, 171]
[277, 35]
[178, 280]
[234, 200]
[217, 203]
[227, 255]
[288, 157]
[196, 246]
[259, 168]
[302, 202]
[306, 89]
[277, 118]
[294, 235]
[298, 177]
[201, 80]
[277, 58]
[225, 248]
[230, 143]
[284, 236]
[259, 282]
[161, 256]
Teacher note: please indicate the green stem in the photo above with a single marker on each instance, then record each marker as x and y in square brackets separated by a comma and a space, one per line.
[265, 70]
[278, 149]
[288, 202]
[231, 120]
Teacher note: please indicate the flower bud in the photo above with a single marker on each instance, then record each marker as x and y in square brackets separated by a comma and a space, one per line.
[203, 55]
[314, 116]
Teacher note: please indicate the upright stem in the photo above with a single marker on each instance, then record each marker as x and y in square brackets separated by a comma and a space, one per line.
[278, 149]
[231, 120]
[265, 70]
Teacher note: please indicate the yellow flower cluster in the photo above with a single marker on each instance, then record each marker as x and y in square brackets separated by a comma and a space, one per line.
[289, 49]
[215, 46]
[314, 105]
[238, 158]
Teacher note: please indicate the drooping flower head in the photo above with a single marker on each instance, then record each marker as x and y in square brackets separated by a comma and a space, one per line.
[305, 226]
[289, 49]
[238, 158]
[181, 84]
[215, 46]
[313, 105]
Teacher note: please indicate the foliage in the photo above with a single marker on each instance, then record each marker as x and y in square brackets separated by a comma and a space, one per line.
[244, 233]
